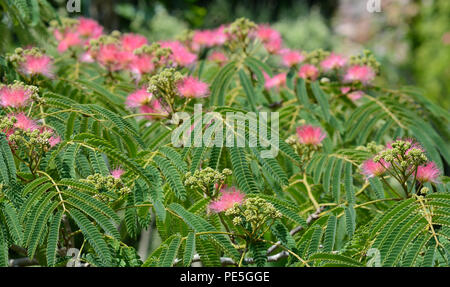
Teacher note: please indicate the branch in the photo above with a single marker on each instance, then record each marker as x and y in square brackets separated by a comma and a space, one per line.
[272, 258]
[310, 219]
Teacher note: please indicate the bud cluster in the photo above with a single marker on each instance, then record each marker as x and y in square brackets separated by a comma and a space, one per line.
[107, 183]
[63, 24]
[366, 59]
[239, 32]
[38, 140]
[164, 86]
[113, 38]
[203, 179]
[7, 123]
[316, 56]
[155, 50]
[402, 154]
[253, 212]
[371, 147]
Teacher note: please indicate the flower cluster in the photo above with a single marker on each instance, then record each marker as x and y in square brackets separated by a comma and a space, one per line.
[24, 133]
[18, 95]
[404, 160]
[73, 33]
[32, 62]
[307, 140]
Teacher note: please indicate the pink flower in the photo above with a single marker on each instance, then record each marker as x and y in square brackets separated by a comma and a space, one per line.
[87, 57]
[66, 40]
[276, 81]
[113, 58]
[310, 135]
[202, 38]
[291, 58]
[139, 98]
[363, 74]
[219, 36]
[154, 107]
[89, 29]
[218, 57]
[54, 140]
[190, 87]
[180, 54]
[117, 173]
[24, 123]
[270, 38]
[356, 95]
[14, 96]
[345, 90]
[371, 168]
[37, 65]
[141, 64]
[131, 42]
[308, 71]
[227, 200]
[273, 46]
[267, 34]
[428, 173]
[333, 61]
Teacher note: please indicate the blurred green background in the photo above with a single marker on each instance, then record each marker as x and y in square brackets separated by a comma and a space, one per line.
[411, 38]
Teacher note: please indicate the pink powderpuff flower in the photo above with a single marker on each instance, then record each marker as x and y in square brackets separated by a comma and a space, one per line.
[66, 40]
[218, 57]
[87, 57]
[131, 42]
[273, 46]
[54, 140]
[37, 65]
[89, 29]
[356, 95]
[14, 97]
[267, 34]
[291, 58]
[428, 173]
[345, 90]
[333, 61]
[113, 58]
[370, 168]
[140, 65]
[357, 73]
[219, 36]
[190, 87]
[24, 123]
[270, 38]
[117, 173]
[180, 54]
[276, 81]
[139, 98]
[310, 135]
[202, 39]
[308, 71]
[229, 197]
[154, 107]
